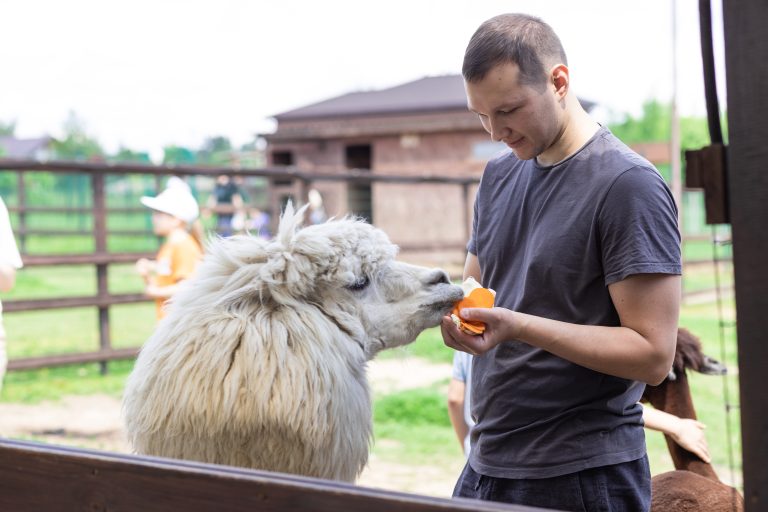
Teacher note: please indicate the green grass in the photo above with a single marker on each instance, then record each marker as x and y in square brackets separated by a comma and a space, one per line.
[702, 277]
[51, 384]
[429, 345]
[413, 426]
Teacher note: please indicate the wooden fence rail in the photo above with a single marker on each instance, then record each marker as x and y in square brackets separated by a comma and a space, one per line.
[38, 477]
[101, 258]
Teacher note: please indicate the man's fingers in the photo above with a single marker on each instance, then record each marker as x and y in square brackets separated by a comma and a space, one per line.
[479, 314]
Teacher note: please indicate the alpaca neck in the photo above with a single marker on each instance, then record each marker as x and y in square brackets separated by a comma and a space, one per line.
[675, 398]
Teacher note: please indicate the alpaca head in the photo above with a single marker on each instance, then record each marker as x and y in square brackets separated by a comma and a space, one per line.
[689, 355]
[344, 270]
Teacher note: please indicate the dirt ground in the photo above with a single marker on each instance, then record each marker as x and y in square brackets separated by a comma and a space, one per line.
[94, 422]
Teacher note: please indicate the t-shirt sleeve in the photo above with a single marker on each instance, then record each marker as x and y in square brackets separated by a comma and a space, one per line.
[638, 227]
[472, 244]
[459, 371]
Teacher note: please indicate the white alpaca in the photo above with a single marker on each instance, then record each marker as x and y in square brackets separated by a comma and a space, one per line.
[261, 360]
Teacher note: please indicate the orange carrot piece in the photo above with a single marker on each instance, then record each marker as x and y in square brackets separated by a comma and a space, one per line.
[477, 298]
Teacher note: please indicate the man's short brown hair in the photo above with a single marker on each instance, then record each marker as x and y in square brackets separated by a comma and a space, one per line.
[517, 38]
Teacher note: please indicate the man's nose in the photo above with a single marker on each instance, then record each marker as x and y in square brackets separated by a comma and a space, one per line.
[497, 130]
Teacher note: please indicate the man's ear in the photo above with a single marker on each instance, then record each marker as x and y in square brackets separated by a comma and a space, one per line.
[560, 78]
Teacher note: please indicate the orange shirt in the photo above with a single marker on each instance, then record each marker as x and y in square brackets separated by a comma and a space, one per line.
[177, 259]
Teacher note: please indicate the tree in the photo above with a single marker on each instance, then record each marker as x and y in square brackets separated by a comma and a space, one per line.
[215, 150]
[654, 125]
[76, 144]
[178, 155]
[8, 128]
[125, 155]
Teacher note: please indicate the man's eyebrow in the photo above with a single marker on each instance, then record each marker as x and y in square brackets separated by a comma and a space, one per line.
[505, 106]
[508, 106]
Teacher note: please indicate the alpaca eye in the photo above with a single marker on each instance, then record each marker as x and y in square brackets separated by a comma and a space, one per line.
[360, 284]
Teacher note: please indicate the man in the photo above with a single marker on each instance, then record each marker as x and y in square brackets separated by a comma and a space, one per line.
[578, 236]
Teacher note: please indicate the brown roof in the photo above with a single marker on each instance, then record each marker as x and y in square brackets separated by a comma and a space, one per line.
[432, 93]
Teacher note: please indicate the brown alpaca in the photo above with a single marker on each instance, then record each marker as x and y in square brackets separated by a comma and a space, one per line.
[694, 485]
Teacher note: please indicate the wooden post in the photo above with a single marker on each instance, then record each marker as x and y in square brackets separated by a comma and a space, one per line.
[22, 200]
[746, 52]
[100, 238]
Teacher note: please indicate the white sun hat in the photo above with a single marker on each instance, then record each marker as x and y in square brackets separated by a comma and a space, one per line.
[176, 200]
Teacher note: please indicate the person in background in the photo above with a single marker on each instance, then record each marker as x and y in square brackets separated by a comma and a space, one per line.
[257, 223]
[174, 217]
[10, 261]
[459, 391]
[317, 213]
[686, 432]
[227, 201]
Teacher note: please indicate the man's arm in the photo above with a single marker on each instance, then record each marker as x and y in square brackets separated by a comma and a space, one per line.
[641, 348]
[472, 267]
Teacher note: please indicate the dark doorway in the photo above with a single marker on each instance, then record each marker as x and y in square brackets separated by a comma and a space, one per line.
[282, 158]
[359, 196]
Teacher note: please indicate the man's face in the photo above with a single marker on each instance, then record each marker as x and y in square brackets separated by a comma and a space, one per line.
[524, 117]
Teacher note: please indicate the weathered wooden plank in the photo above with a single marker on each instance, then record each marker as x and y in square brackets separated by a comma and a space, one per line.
[746, 52]
[36, 477]
[99, 356]
[73, 302]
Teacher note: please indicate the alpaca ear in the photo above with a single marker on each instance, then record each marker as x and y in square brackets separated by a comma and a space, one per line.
[283, 266]
[712, 367]
[290, 221]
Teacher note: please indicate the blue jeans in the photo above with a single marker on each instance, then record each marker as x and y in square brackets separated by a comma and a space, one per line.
[622, 487]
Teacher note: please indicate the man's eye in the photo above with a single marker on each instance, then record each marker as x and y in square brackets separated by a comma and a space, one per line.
[360, 284]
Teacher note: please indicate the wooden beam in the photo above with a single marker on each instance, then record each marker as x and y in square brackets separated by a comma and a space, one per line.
[99, 356]
[35, 476]
[746, 54]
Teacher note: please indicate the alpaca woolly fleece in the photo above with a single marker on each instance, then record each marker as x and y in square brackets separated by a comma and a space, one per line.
[261, 360]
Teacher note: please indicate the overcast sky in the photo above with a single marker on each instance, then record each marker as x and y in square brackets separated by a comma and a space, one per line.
[147, 73]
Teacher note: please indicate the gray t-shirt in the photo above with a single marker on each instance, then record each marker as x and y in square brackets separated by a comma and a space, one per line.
[550, 240]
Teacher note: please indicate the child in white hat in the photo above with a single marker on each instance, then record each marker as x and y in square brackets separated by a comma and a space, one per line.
[174, 214]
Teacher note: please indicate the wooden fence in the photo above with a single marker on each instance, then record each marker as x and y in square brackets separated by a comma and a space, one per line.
[38, 477]
[101, 258]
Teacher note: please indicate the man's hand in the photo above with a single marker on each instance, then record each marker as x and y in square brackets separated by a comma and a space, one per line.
[500, 325]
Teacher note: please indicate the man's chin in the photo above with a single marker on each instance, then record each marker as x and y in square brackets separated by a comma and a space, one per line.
[523, 154]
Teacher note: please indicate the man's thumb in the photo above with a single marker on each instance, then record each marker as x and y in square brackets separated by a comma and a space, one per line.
[473, 313]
